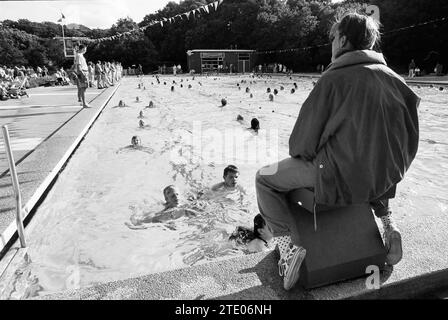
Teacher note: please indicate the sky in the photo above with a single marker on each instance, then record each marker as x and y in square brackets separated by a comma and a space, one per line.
[91, 13]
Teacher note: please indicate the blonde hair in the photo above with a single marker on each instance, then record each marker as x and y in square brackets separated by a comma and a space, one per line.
[363, 32]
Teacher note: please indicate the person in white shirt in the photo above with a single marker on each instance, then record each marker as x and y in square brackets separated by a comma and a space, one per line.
[82, 71]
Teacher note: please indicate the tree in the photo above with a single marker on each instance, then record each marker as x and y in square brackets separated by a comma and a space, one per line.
[249, 24]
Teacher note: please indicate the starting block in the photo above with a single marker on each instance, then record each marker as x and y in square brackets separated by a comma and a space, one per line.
[346, 242]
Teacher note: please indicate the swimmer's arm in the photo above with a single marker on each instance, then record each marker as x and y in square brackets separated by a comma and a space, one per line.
[172, 214]
[163, 215]
[191, 212]
[217, 186]
[146, 219]
[149, 217]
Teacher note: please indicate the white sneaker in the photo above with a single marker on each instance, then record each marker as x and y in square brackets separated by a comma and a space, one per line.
[289, 265]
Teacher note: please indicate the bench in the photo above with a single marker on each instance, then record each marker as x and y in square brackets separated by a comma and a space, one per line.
[346, 242]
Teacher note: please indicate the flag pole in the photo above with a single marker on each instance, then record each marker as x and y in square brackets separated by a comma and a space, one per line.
[63, 39]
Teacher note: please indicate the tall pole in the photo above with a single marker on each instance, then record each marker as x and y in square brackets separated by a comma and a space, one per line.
[63, 39]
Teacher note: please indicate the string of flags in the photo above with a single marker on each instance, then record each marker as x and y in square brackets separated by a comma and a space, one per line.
[292, 49]
[186, 15]
[418, 25]
[327, 44]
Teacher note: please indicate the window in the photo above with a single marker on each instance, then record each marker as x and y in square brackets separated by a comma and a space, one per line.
[243, 57]
[211, 60]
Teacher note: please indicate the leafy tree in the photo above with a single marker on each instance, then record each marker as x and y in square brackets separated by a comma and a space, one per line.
[246, 24]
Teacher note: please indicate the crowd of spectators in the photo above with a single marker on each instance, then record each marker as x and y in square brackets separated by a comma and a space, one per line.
[105, 73]
[15, 80]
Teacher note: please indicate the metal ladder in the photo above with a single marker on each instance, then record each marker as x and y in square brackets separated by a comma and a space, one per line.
[15, 183]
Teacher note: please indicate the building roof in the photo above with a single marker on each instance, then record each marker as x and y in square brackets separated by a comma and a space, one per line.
[220, 50]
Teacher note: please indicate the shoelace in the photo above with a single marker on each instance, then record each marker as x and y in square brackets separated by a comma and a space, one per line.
[283, 263]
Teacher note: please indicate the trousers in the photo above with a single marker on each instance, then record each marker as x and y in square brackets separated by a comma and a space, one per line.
[273, 182]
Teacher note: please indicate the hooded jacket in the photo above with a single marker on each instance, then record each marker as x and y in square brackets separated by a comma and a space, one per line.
[360, 127]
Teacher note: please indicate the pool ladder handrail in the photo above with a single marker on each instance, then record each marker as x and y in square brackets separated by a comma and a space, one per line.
[15, 183]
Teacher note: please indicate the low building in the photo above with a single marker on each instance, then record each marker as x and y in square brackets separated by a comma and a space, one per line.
[221, 60]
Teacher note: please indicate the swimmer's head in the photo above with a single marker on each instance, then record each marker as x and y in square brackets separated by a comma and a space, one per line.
[261, 229]
[242, 235]
[171, 195]
[230, 176]
[135, 141]
[255, 124]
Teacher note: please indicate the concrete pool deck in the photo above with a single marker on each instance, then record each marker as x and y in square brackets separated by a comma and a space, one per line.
[256, 276]
[251, 277]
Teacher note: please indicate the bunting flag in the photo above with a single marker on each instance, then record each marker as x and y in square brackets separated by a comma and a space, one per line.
[292, 50]
[387, 33]
[193, 12]
[416, 25]
[61, 19]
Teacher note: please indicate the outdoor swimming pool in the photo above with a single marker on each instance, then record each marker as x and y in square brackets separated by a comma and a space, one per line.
[78, 236]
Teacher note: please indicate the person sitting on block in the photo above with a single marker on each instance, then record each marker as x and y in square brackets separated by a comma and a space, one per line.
[354, 139]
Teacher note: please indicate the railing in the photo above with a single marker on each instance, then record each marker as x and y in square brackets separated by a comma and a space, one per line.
[15, 183]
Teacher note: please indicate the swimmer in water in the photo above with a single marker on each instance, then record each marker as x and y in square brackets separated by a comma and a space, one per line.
[173, 210]
[262, 235]
[136, 144]
[256, 239]
[254, 125]
[230, 184]
[230, 176]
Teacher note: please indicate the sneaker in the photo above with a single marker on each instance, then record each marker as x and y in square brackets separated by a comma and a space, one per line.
[289, 265]
[392, 242]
